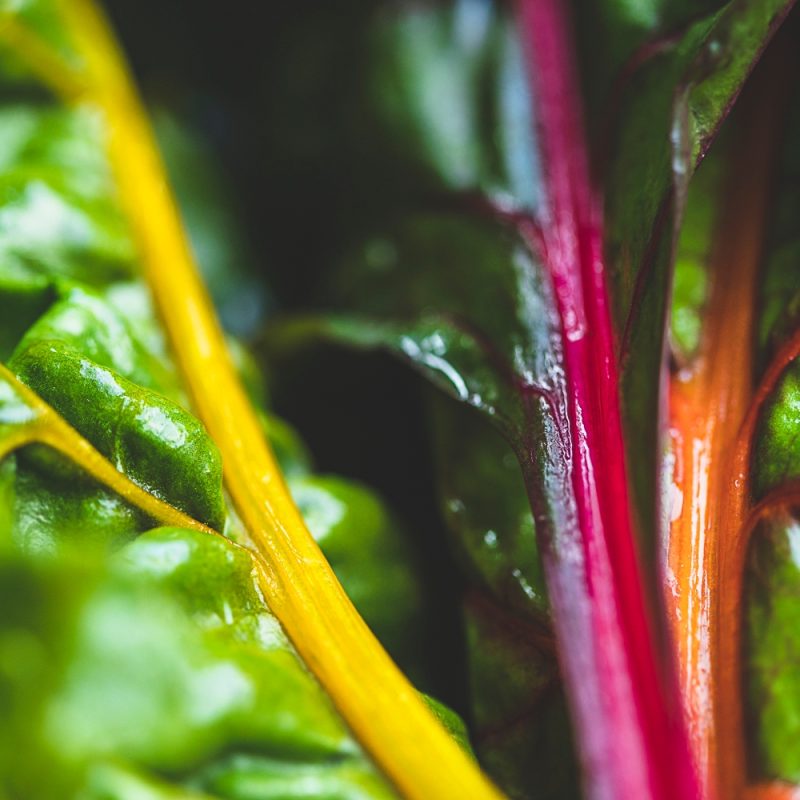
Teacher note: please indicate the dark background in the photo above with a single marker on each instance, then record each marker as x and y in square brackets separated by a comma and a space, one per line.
[273, 87]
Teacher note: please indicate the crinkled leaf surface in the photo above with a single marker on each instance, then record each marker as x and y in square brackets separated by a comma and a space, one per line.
[163, 662]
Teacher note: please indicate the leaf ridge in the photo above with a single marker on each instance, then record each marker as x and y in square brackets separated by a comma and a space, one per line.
[46, 426]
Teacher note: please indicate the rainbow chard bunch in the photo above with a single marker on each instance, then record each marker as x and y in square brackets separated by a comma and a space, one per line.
[521, 202]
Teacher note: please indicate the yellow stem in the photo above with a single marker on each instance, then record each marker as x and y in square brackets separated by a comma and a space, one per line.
[47, 427]
[380, 705]
[51, 67]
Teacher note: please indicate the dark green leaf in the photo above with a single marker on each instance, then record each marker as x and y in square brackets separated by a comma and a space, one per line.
[773, 646]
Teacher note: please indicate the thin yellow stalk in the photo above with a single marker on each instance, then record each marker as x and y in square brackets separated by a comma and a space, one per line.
[62, 76]
[46, 426]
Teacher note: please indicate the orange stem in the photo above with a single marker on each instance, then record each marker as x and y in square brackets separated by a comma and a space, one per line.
[772, 791]
[738, 516]
[706, 410]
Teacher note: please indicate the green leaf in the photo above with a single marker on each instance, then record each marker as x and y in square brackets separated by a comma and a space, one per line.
[776, 456]
[60, 215]
[780, 289]
[487, 511]
[149, 438]
[468, 307]
[773, 647]
[522, 730]
[89, 322]
[694, 249]
[450, 95]
[166, 660]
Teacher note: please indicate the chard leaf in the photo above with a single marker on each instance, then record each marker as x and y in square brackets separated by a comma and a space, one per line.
[449, 92]
[485, 339]
[369, 555]
[772, 650]
[152, 440]
[483, 500]
[211, 692]
[776, 455]
[88, 321]
[522, 730]
[54, 171]
[694, 250]
[778, 290]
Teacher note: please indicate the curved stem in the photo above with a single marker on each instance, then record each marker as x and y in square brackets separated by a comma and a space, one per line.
[772, 791]
[47, 427]
[780, 499]
[51, 67]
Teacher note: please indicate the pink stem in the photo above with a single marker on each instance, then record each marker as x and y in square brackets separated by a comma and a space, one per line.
[631, 736]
